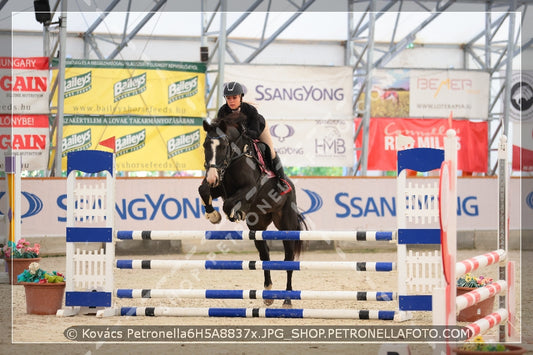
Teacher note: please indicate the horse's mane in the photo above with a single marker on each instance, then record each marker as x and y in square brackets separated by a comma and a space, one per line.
[232, 124]
[235, 119]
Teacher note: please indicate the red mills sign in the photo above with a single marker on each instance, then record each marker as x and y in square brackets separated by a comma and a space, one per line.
[427, 133]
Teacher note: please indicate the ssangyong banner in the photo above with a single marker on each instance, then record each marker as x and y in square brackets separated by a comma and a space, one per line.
[425, 133]
[141, 143]
[429, 93]
[327, 203]
[317, 143]
[296, 92]
[26, 136]
[24, 85]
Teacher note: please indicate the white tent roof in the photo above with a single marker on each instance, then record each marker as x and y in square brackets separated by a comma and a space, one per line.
[449, 28]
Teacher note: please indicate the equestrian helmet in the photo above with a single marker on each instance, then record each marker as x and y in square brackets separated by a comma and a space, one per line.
[233, 88]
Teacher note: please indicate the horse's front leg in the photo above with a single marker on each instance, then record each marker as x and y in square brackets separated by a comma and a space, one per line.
[264, 255]
[237, 206]
[207, 199]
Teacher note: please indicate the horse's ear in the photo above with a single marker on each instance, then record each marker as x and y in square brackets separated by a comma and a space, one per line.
[222, 126]
[206, 126]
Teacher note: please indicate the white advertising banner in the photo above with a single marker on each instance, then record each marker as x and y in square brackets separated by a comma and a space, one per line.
[295, 92]
[436, 93]
[24, 108]
[24, 85]
[521, 113]
[314, 143]
[327, 204]
[26, 136]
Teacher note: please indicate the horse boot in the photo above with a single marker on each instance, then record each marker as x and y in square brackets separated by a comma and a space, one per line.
[280, 174]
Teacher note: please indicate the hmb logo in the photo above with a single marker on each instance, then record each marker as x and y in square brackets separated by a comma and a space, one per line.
[331, 143]
[328, 147]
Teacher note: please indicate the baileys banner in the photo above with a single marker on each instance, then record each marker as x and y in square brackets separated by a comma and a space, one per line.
[153, 109]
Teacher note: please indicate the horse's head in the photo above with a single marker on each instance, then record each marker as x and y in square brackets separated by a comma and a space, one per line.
[219, 149]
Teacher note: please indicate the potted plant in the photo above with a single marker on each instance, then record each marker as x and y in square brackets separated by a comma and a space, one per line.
[44, 291]
[478, 346]
[18, 256]
[467, 283]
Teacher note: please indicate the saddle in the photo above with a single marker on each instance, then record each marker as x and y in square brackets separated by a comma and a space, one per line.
[260, 152]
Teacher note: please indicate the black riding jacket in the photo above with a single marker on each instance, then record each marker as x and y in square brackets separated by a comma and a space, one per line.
[255, 122]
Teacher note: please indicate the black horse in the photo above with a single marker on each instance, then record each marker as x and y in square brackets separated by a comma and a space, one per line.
[250, 193]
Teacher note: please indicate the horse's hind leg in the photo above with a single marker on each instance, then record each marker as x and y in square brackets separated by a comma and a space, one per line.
[288, 245]
[264, 255]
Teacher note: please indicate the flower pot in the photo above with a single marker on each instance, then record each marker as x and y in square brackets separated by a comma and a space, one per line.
[45, 298]
[477, 311]
[509, 350]
[16, 266]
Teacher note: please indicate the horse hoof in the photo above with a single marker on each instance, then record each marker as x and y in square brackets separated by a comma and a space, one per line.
[236, 216]
[287, 304]
[214, 217]
[268, 302]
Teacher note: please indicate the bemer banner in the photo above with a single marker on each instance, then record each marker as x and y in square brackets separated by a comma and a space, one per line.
[429, 93]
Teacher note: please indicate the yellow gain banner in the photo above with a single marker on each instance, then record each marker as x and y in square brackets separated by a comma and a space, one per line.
[141, 143]
[112, 87]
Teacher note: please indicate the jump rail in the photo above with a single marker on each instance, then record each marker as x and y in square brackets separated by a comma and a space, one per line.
[258, 235]
[256, 313]
[255, 265]
[384, 296]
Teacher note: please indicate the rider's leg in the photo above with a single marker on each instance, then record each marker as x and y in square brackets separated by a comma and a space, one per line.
[266, 138]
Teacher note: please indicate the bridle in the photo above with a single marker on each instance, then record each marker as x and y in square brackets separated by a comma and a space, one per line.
[230, 156]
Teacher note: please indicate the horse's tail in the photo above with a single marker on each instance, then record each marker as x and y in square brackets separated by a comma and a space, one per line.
[302, 225]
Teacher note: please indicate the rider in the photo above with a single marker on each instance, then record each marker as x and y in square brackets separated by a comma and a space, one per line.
[256, 126]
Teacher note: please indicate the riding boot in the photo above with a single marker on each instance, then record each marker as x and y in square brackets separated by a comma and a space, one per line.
[280, 174]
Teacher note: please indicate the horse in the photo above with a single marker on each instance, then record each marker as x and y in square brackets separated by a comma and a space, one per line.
[249, 192]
